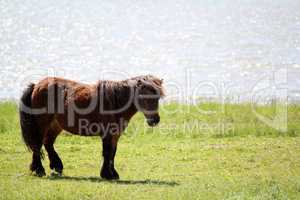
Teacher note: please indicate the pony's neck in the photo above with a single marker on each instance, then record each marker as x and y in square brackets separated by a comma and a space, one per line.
[125, 99]
[120, 96]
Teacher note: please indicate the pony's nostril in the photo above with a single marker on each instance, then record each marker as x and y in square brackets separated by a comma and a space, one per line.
[153, 121]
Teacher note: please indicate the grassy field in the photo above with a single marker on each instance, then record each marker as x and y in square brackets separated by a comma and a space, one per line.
[210, 151]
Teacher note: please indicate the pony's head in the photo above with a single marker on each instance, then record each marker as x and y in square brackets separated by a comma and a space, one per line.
[147, 94]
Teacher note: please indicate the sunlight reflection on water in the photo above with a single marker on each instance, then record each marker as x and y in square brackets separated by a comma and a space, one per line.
[193, 45]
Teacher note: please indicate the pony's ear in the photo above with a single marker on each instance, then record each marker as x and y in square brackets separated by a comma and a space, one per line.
[158, 81]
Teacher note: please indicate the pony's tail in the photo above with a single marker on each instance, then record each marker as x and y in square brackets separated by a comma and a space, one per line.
[29, 128]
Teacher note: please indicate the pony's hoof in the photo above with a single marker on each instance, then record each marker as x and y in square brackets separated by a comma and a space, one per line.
[39, 173]
[55, 173]
[109, 175]
[116, 175]
[59, 171]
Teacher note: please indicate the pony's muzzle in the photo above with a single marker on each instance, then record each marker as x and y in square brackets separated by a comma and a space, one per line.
[153, 120]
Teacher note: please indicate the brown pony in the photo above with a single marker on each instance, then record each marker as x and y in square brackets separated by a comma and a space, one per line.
[103, 109]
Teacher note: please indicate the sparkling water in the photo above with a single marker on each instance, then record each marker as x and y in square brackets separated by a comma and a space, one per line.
[213, 49]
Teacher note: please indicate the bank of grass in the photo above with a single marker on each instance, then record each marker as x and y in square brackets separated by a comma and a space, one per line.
[206, 152]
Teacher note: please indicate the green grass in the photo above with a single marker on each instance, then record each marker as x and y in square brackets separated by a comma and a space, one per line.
[223, 153]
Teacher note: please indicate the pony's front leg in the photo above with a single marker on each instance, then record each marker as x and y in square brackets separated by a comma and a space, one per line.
[109, 144]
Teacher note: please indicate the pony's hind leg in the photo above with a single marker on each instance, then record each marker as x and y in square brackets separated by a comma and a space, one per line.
[36, 164]
[49, 139]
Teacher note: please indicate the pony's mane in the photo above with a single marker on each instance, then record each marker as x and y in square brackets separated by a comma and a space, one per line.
[116, 93]
[153, 81]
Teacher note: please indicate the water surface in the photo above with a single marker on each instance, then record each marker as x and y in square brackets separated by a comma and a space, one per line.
[212, 49]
